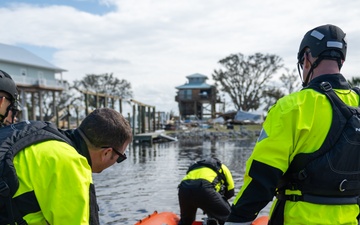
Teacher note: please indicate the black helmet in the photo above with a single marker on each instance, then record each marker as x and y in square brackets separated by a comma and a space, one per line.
[8, 85]
[327, 41]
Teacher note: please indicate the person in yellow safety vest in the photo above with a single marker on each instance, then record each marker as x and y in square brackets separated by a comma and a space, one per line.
[297, 125]
[9, 105]
[207, 185]
[56, 185]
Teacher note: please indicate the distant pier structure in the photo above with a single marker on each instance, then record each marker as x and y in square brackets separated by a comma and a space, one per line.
[196, 97]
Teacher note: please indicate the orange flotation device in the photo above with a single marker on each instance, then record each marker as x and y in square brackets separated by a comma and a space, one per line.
[262, 220]
[163, 218]
[170, 218]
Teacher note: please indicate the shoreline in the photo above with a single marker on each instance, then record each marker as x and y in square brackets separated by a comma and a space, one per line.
[238, 132]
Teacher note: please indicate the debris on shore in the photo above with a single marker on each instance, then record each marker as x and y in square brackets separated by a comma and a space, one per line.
[214, 134]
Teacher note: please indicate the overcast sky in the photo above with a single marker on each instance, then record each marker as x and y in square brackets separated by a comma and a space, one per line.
[155, 44]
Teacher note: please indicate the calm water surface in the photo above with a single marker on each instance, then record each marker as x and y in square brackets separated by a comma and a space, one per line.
[148, 179]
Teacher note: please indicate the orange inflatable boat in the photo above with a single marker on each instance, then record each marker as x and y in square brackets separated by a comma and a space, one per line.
[262, 220]
[169, 218]
[162, 218]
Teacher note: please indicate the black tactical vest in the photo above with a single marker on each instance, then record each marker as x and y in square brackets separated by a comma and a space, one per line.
[14, 138]
[333, 171]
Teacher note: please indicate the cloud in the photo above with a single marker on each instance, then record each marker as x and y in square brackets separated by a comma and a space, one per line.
[156, 44]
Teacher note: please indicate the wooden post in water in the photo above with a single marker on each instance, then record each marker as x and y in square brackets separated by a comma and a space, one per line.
[153, 118]
[139, 119]
[134, 112]
[158, 120]
[149, 119]
[142, 115]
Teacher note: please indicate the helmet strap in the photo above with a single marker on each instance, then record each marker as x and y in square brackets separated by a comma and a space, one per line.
[311, 71]
[14, 111]
[315, 64]
[306, 81]
[2, 118]
[339, 61]
[9, 108]
[298, 67]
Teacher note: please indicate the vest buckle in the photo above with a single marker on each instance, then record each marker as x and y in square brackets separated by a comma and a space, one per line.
[341, 185]
[326, 86]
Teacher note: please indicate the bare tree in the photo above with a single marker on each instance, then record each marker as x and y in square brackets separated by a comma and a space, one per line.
[354, 81]
[291, 80]
[270, 96]
[64, 98]
[103, 84]
[244, 78]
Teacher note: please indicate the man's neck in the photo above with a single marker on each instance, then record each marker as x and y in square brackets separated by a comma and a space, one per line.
[326, 67]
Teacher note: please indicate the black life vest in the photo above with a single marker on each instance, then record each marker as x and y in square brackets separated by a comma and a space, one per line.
[215, 165]
[14, 138]
[330, 175]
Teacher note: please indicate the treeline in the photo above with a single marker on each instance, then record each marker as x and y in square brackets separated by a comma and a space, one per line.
[251, 82]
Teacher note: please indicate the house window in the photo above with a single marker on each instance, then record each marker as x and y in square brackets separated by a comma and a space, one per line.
[40, 74]
[185, 94]
[23, 72]
[188, 94]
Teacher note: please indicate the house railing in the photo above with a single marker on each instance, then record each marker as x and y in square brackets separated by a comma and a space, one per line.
[27, 81]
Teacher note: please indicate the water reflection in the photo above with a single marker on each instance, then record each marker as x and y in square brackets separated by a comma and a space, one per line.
[148, 180]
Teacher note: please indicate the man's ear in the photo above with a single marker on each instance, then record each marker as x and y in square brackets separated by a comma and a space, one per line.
[307, 62]
[106, 153]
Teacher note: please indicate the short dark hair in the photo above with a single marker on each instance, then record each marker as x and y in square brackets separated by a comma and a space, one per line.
[106, 127]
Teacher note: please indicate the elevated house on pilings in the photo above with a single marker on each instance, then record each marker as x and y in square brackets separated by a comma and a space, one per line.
[33, 75]
[197, 98]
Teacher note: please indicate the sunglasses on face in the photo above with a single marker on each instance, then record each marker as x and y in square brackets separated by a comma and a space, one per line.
[121, 157]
